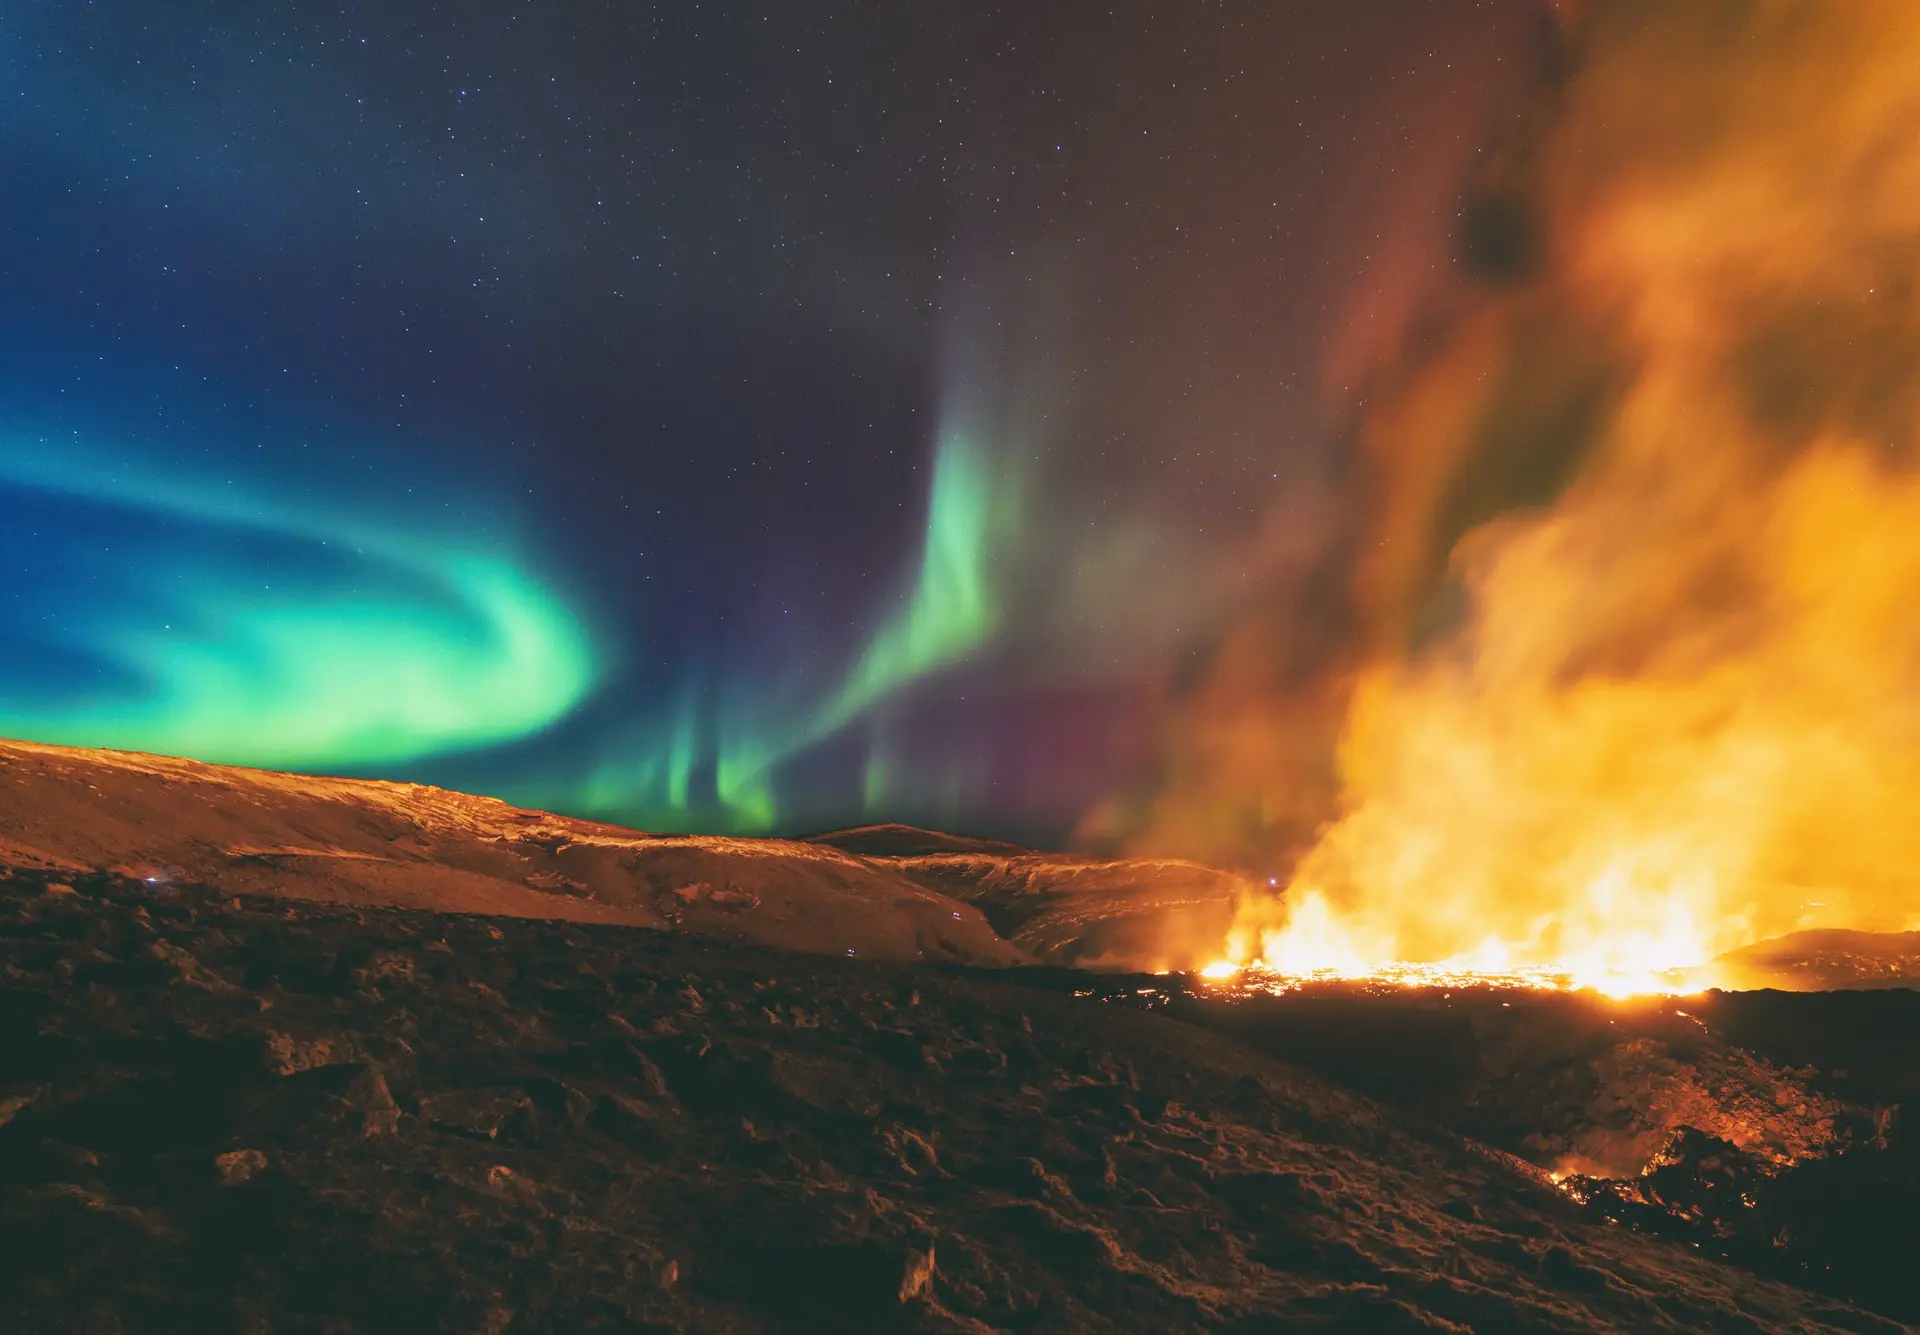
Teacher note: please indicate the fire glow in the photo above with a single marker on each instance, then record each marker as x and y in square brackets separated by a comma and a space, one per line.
[1318, 945]
[1661, 702]
[1449, 974]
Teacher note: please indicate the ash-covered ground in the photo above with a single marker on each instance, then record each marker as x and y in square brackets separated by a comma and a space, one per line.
[255, 1114]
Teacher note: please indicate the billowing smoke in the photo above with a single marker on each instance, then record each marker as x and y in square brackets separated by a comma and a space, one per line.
[1619, 664]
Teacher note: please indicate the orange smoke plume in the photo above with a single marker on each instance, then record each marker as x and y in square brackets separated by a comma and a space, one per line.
[1631, 663]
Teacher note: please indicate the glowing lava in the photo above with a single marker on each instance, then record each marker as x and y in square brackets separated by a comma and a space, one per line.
[1260, 977]
[1653, 948]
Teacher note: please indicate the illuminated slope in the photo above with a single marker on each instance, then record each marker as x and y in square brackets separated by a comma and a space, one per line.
[364, 842]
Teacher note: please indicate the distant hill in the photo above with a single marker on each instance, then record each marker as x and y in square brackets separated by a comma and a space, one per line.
[906, 841]
[1817, 961]
[881, 892]
[362, 842]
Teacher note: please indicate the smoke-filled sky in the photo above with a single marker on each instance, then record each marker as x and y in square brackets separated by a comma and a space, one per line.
[757, 416]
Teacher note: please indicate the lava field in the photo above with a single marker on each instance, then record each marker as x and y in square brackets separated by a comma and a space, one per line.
[245, 1114]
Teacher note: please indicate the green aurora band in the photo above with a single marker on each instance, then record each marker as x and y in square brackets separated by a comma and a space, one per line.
[950, 612]
[382, 642]
[405, 643]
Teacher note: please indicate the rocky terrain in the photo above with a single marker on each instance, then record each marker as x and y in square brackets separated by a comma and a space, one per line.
[1769, 1128]
[1824, 960]
[234, 1112]
[350, 841]
[308, 1054]
[888, 892]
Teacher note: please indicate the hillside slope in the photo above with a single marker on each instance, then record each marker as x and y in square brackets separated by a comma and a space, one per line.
[352, 841]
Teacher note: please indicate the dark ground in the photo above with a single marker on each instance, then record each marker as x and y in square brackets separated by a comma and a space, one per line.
[1772, 1121]
[259, 1115]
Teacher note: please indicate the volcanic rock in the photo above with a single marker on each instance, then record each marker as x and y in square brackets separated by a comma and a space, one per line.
[1132, 913]
[888, 892]
[317, 1027]
[1823, 960]
[351, 841]
[1764, 1127]
[395, 1120]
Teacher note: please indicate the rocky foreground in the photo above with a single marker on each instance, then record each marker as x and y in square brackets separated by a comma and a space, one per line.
[238, 1113]
[1772, 1129]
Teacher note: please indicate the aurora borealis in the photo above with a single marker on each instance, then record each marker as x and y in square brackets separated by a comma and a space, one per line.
[760, 419]
[244, 631]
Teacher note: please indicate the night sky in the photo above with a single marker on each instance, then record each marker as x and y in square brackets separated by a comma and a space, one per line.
[753, 417]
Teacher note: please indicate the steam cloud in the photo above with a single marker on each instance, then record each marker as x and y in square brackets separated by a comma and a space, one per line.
[1621, 660]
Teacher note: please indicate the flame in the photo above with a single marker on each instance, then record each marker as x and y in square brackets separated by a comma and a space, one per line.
[1641, 675]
